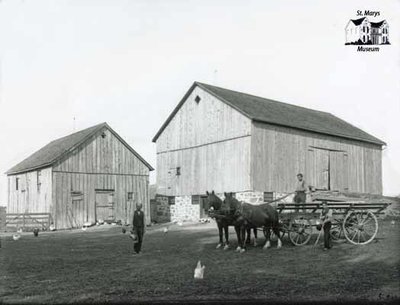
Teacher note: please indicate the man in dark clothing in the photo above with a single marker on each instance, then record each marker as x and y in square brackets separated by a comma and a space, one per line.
[138, 227]
[326, 217]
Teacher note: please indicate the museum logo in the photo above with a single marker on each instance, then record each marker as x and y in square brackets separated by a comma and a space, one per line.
[365, 33]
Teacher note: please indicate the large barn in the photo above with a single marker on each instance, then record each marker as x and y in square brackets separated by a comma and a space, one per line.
[88, 176]
[228, 141]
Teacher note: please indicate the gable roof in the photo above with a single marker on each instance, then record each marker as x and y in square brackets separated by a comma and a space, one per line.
[59, 148]
[377, 24]
[358, 21]
[281, 114]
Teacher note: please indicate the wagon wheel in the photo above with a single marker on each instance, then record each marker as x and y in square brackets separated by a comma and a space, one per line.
[337, 230]
[300, 231]
[360, 227]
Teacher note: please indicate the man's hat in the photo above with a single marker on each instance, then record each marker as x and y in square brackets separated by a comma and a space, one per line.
[299, 174]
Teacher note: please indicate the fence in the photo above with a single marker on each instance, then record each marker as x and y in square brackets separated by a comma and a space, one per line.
[28, 221]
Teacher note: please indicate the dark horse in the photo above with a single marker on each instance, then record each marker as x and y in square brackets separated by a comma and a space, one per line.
[254, 216]
[225, 217]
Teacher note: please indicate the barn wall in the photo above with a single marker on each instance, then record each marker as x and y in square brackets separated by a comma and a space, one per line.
[210, 142]
[103, 155]
[28, 199]
[279, 153]
[103, 163]
[71, 214]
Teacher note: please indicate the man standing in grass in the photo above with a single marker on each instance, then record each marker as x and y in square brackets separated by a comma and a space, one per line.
[326, 217]
[138, 227]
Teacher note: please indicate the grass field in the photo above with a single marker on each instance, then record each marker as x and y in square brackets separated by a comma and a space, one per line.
[97, 266]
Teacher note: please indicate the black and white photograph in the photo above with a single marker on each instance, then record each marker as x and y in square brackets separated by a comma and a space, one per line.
[199, 152]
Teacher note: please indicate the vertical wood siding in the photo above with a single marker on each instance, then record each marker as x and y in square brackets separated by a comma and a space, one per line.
[103, 155]
[201, 123]
[279, 153]
[27, 199]
[210, 142]
[221, 167]
[87, 184]
[103, 163]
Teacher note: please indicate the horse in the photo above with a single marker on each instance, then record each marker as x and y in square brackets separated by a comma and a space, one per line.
[254, 216]
[224, 218]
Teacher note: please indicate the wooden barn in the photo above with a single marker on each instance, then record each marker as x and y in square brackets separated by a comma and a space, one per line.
[228, 141]
[87, 176]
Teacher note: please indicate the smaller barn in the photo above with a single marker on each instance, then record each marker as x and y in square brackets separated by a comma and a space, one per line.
[85, 177]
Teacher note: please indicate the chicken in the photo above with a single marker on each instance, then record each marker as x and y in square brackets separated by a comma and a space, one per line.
[199, 271]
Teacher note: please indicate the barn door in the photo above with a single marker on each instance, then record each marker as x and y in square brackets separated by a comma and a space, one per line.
[105, 205]
[318, 168]
[76, 210]
[203, 206]
[338, 171]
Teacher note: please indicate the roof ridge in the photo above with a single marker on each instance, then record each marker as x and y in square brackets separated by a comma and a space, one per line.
[263, 98]
[95, 129]
[358, 19]
[76, 132]
[62, 147]
[257, 108]
[62, 153]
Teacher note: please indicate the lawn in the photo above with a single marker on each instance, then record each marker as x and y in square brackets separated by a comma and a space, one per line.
[97, 266]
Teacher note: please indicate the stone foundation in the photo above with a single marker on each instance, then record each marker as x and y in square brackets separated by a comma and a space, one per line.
[255, 198]
[184, 210]
[161, 210]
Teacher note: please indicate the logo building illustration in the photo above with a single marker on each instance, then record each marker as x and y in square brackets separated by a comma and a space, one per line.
[364, 32]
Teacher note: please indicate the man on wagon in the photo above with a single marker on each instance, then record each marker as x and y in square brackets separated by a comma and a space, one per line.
[301, 188]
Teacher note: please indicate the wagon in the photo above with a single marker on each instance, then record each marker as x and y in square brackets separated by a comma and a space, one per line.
[356, 222]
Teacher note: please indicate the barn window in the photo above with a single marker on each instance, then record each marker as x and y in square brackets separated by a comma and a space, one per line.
[76, 197]
[103, 135]
[171, 200]
[178, 171]
[130, 195]
[196, 199]
[16, 184]
[197, 99]
[268, 196]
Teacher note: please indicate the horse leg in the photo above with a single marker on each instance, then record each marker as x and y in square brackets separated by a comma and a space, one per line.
[267, 232]
[275, 228]
[237, 229]
[243, 239]
[220, 235]
[226, 229]
[248, 239]
[255, 236]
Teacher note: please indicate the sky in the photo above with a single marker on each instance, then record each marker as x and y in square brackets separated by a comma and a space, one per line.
[128, 63]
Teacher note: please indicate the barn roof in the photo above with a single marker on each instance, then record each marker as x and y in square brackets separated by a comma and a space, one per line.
[59, 148]
[282, 114]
